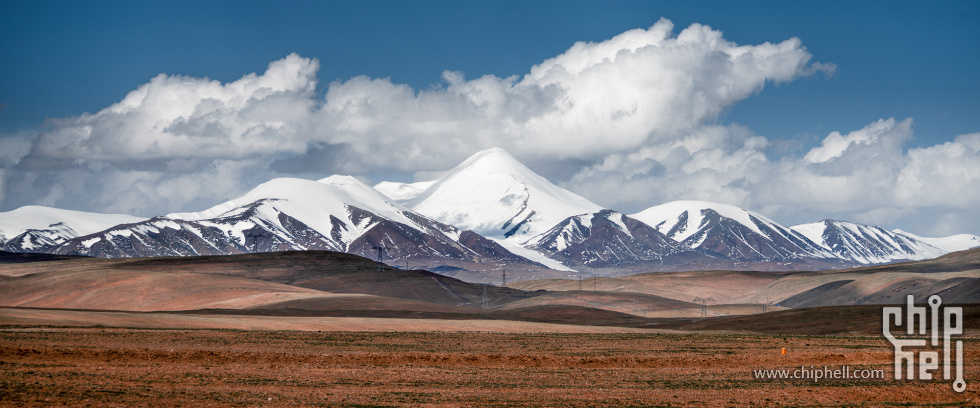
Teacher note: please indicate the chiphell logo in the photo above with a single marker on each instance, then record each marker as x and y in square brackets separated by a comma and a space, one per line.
[927, 361]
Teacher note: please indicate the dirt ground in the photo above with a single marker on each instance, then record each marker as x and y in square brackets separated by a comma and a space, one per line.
[139, 367]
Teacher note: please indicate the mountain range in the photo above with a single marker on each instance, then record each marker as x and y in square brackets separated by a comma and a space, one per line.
[36, 228]
[490, 213]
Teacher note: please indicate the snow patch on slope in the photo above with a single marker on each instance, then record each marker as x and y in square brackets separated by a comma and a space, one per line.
[813, 231]
[952, 243]
[532, 255]
[402, 191]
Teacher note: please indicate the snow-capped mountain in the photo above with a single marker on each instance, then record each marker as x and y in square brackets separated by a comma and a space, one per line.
[487, 212]
[867, 244]
[496, 196]
[952, 243]
[729, 232]
[36, 228]
[338, 213]
[39, 239]
[607, 239]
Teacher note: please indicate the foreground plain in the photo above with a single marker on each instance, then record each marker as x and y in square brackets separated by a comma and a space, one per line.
[329, 329]
[134, 367]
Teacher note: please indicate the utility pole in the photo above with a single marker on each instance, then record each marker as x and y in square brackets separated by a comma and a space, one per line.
[704, 304]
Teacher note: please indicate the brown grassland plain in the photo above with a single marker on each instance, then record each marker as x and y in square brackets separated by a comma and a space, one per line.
[144, 367]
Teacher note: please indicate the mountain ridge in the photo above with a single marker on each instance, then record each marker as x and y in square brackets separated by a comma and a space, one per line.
[297, 214]
[518, 218]
[35, 227]
[733, 233]
[867, 244]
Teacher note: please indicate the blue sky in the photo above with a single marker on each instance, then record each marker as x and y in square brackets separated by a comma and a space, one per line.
[893, 59]
[902, 59]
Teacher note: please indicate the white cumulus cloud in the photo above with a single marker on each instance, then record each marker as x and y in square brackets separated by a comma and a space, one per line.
[628, 122]
[865, 176]
[169, 144]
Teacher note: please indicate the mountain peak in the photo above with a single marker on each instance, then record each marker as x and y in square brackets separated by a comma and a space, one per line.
[867, 244]
[338, 179]
[20, 220]
[495, 195]
[493, 153]
[693, 212]
[307, 201]
[730, 231]
[495, 161]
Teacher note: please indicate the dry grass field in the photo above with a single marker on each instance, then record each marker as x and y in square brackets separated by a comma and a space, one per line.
[327, 329]
[137, 367]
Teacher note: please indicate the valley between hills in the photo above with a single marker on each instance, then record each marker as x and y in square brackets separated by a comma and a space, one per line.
[276, 287]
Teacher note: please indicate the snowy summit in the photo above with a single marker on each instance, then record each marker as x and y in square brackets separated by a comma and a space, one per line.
[494, 195]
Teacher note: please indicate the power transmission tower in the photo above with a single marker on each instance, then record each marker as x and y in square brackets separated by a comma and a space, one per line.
[580, 282]
[380, 249]
[595, 280]
[504, 277]
[255, 240]
[704, 304]
[765, 306]
[484, 297]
